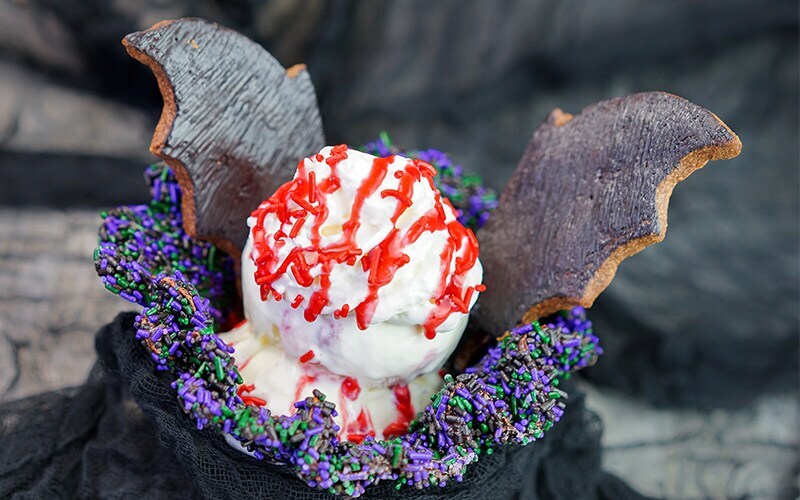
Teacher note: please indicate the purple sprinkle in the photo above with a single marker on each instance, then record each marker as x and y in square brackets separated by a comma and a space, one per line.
[436, 430]
[314, 431]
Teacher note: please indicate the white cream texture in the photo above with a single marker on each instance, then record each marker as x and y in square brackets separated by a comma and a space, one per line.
[281, 381]
[393, 349]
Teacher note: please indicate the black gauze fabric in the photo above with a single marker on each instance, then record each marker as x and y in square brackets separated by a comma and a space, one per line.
[123, 435]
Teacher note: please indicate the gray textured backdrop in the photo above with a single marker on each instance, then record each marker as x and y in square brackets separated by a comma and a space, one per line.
[698, 389]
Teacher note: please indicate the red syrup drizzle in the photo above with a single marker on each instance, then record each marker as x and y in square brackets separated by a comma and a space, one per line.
[350, 388]
[246, 362]
[308, 356]
[302, 382]
[306, 194]
[246, 399]
[361, 427]
[405, 410]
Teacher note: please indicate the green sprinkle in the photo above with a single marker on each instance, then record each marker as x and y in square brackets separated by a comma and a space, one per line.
[211, 254]
[396, 455]
[385, 139]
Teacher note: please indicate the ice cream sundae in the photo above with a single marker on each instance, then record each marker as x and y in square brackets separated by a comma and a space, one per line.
[357, 280]
[357, 275]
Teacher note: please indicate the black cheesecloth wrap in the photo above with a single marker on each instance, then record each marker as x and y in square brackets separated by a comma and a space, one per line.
[123, 435]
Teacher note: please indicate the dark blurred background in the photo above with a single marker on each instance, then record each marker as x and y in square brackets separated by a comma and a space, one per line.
[698, 387]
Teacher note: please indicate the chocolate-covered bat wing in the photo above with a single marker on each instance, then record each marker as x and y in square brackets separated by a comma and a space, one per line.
[590, 191]
[234, 126]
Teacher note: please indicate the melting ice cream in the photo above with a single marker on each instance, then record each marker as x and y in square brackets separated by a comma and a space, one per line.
[357, 280]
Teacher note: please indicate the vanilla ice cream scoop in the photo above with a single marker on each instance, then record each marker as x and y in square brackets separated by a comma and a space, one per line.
[277, 382]
[358, 264]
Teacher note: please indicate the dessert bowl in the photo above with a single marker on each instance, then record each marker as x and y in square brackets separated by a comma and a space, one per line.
[187, 290]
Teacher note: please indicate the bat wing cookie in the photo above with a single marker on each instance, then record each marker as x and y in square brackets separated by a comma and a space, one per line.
[234, 124]
[590, 191]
